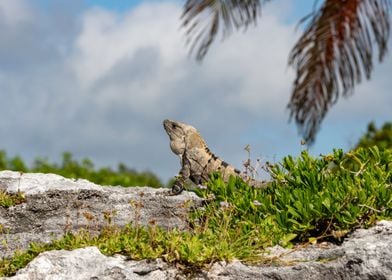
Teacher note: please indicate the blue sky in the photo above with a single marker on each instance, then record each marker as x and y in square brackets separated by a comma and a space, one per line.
[119, 5]
[297, 10]
[110, 4]
[98, 82]
[300, 7]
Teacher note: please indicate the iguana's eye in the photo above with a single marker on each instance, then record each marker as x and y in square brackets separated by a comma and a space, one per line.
[174, 125]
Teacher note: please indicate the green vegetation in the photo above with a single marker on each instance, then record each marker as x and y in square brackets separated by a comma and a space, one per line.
[309, 199]
[71, 168]
[189, 249]
[312, 198]
[380, 137]
[8, 200]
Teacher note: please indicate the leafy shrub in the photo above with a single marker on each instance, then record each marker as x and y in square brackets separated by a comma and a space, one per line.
[308, 197]
[71, 168]
[381, 137]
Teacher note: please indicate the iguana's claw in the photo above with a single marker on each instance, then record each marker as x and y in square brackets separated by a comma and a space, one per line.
[176, 189]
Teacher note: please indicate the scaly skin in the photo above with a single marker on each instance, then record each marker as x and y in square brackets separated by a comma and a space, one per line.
[197, 161]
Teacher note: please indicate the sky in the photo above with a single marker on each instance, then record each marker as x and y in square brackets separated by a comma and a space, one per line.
[97, 78]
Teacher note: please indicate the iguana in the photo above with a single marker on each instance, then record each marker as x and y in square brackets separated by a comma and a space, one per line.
[197, 161]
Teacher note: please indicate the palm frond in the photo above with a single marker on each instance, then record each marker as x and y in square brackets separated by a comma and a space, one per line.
[203, 19]
[332, 56]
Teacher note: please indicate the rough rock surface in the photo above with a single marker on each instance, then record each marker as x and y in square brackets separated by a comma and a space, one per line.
[89, 263]
[55, 205]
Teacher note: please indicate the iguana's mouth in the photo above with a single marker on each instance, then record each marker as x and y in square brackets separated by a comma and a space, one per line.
[171, 128]
[166, 123]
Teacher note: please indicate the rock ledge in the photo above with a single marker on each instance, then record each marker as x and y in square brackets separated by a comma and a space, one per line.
[55, 205]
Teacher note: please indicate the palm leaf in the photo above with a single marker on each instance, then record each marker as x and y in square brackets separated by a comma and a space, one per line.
[203, 19]
[333, 55]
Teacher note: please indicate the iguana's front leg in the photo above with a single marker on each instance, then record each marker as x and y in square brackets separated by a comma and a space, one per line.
[181, 178]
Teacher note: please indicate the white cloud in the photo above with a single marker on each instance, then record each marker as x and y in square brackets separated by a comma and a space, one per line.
[257, 60]
[142, 53]
[108, 38]
[15, 11]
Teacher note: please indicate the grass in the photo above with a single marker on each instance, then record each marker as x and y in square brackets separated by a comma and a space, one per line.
[11, 199]
[309, 199]
[188, 249]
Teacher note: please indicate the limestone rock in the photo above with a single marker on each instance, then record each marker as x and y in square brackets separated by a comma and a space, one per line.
[89, 263]
[55, 205]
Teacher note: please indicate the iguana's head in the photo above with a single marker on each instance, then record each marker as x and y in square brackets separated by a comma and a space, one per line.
[182, 136]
